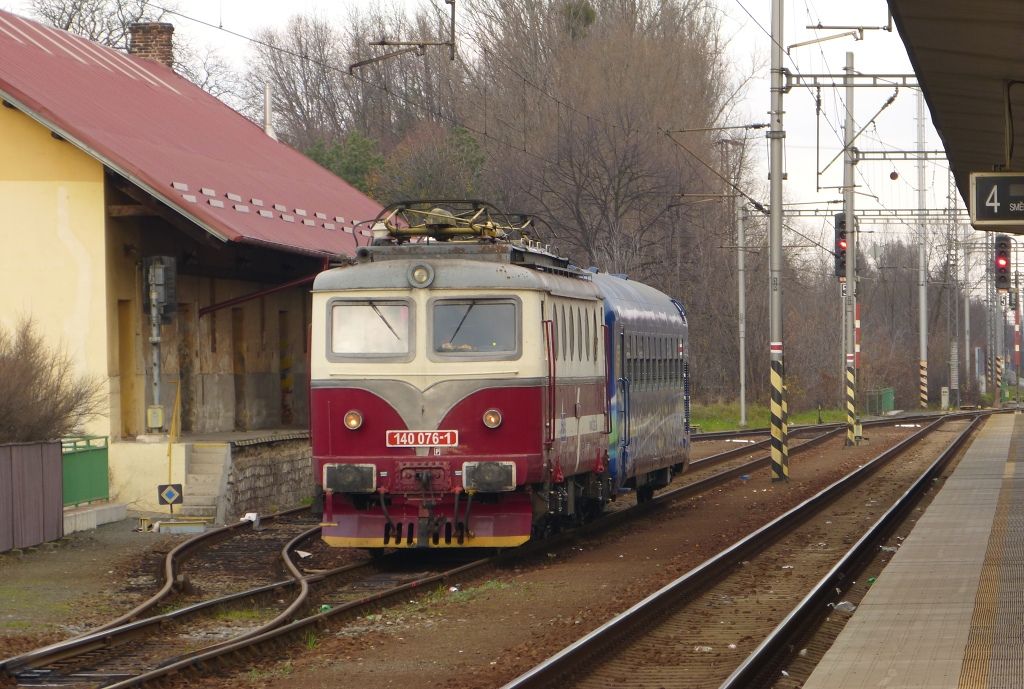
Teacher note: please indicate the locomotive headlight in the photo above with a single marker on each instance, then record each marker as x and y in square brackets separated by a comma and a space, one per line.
[420, 275]
[492, 418]
[353, 420]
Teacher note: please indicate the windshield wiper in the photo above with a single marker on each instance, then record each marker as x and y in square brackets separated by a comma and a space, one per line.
[459, 326]
[378, 312]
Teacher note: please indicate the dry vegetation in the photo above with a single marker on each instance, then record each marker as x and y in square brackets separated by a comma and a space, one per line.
[42, 396]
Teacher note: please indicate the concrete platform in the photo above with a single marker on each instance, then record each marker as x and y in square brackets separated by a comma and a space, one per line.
[946, 612]
[91, 516]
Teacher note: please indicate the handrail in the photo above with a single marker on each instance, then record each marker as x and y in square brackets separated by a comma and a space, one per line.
[549, 343]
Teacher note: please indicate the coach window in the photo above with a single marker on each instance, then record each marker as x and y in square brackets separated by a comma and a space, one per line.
[666, 361]
[631, 353]
[644, 353]
[657, 361]
[630, 348]
[369, 328]
[475, 328]
[649, 359]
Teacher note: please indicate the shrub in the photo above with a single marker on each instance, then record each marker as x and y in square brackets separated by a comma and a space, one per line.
[41, 395]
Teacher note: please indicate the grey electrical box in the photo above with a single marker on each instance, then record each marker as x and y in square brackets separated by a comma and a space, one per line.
[159, 274]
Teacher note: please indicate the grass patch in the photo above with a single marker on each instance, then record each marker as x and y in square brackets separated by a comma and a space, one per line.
[238, 615]
[429, 602]
[16, 625]
[256, 674]
[726, 416]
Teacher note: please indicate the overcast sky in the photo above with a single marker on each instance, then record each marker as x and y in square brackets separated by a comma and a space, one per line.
[880, 52]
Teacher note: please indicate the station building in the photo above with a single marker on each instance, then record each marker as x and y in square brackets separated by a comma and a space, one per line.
[113, 163]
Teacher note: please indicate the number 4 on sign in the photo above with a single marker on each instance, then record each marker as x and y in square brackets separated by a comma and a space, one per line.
[993, 200]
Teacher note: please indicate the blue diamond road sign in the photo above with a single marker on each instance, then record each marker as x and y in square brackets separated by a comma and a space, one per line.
[170, 494]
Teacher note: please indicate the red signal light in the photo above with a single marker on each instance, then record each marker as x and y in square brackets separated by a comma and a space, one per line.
[842, 244]
[1001, 262]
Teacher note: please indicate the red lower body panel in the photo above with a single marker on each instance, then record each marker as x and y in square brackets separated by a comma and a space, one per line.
[411, 523]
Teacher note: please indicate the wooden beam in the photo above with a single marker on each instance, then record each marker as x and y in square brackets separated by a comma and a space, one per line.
[120, 210]
[164, 212]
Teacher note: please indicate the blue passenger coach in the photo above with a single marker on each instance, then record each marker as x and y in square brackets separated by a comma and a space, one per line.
[649, 384]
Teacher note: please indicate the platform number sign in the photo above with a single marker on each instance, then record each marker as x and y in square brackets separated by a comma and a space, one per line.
[997, 201]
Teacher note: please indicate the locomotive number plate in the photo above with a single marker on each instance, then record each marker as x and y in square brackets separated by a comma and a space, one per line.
[422, 438]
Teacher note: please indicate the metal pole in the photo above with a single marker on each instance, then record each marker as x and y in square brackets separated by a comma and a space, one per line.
[969, 372]
[1000, 348]
[741, 261]
[780, 463]
[851, 257]
[154, 415]
[1016, 336]
[989, 340]
[922, 262]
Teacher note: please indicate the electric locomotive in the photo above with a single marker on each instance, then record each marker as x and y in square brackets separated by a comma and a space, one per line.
[470, 388]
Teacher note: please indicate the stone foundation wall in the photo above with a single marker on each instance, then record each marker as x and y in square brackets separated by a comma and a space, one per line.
[268, 477]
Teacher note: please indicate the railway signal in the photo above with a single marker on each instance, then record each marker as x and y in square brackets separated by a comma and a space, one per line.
[1002, 262]
[840, 246]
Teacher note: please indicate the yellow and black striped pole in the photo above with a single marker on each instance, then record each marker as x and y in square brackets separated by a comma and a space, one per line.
[923, 382]
[997, 394]
[851, 403]
[780, 453]
[785, 430]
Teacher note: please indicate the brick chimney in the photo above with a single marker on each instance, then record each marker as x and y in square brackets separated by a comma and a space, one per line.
[152, 40]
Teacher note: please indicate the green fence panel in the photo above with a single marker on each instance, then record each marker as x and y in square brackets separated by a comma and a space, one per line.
[85, 469]
[880, 401]
[888, 399]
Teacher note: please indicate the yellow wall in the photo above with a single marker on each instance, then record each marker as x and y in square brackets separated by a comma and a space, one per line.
[136, 469]
[53, 263]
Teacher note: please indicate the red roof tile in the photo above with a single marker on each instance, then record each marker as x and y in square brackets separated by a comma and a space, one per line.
[178, 142]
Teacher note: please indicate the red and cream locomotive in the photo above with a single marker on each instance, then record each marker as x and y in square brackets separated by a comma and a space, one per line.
[471, 389]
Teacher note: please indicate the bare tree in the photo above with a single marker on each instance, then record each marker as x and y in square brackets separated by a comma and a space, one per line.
[303, 63]
[42, 395]
[206, 68]
[103, 21]
[108, 22]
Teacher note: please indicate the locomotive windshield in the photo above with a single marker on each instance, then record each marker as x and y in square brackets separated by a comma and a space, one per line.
[475, 326]
[370, 328]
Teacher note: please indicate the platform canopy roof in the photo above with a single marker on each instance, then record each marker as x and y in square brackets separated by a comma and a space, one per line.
[178, 143]
[965, 54]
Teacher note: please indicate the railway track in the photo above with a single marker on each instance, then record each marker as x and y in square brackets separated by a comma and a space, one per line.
[757, 432]
[200, 631]
[193, 626]
[731, 621]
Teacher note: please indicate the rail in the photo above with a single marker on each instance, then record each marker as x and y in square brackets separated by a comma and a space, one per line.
[640, 616]
[764, 660]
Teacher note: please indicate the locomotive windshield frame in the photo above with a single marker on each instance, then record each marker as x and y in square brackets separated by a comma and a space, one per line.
[458, 350]
[374, 315]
